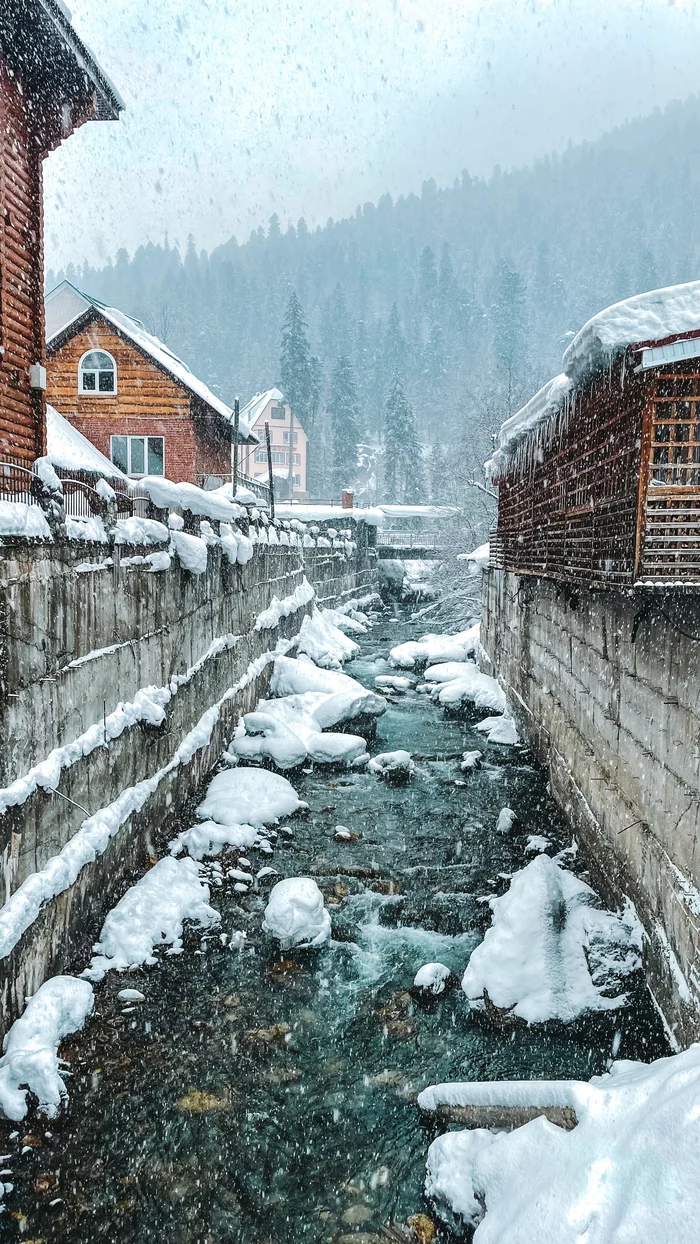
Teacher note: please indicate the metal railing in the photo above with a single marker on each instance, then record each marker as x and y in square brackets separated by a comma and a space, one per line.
[408, 539]
[18, 483]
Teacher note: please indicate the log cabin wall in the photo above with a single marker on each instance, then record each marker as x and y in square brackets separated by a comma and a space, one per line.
[148, 402]
[22, 414]
[570, 495]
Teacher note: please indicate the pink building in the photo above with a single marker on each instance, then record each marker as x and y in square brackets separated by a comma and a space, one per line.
[286, 437]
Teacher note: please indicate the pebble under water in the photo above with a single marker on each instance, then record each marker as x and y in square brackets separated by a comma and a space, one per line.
[271, 1098]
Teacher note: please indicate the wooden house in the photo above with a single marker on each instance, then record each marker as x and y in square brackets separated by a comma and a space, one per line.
[49, 85]
[132, 397]
[599, 474]
[287, 437]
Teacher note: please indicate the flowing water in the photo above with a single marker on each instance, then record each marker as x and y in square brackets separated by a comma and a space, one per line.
[269, 1099]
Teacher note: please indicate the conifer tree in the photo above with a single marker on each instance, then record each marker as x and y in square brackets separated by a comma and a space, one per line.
[343, 410]
[403, 466]
[295, 363]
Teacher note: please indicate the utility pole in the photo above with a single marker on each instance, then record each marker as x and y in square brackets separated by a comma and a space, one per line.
[234, 473]
[290, 473]
[269, 470]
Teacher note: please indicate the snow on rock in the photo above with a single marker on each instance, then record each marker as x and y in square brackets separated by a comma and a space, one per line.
[265, 738]
[550, 952]
[191, 550]
[295, 914]
[501, 729]
[152, 913]
[324, 642]
[140, 531]
[249, 797]
[470, 761]
[288, 734]
[208, 839]
[432, 977]
[293, 676]
[431, 649]
[506, 821]
[460, 683]
[20, 519]
[30, 1048]
[537, 843]
[88, 528]
[628, 1172]
[278, 609]
[392, 766]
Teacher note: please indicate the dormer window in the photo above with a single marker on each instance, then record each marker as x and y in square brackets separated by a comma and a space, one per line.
[97, 373]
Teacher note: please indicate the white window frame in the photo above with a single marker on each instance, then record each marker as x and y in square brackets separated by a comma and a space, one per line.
[145, 436]
[97, 392]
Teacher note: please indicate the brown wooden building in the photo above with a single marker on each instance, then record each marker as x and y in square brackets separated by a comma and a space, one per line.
[49, 85]
[135, 400]
[599, 475]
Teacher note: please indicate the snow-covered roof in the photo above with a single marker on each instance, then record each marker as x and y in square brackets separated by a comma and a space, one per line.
[68, 449]
[645, 318]
[156, 349]
[255, 407]
[547, 401]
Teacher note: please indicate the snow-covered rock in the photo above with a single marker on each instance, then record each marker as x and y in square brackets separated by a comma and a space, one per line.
[249, 797]
[393, 682]
[465, 683]
[30, 1048]
[350, 698]
[296, 915]
[150, 914]
[470, 761]
[431, 649]
[628, 1173]
[432, 977]
[288, 731]
[324, 642]
[506, 821]
[208, 838]
[392, 766]
[550, 952]
[501, 729]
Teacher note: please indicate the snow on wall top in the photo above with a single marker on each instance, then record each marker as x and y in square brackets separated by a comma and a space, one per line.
[545, 403]
[69, 449]
[152, 346]
[648, 317]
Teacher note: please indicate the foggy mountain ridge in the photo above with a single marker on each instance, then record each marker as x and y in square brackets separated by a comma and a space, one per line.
[486, 278]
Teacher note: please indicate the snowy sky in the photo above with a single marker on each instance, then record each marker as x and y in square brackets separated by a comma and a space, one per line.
[236, 109]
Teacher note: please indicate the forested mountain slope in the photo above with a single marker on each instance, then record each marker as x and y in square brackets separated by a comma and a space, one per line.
[485, 278]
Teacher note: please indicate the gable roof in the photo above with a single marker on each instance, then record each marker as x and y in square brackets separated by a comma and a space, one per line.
[68, 449]
[68, 301]
[256, 406]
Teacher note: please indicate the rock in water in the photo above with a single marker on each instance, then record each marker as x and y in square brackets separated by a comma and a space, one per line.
[432, 978]
[395, 767]
[296, 914]
[506, 821]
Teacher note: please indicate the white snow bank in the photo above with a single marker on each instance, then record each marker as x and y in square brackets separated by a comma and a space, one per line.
[191, 550]
[392, 765]
[325, 642]
[296, 915]
[208, 839]
[249, 797]
[278, 609]
[30, 1048]
[628, 1173]
[478, 559]
[432, 976]
[19, 519]
[431, 649]
[88, 528]
[550, 952]
[140, 531]
[647, 317]
[165, 494]
[296, 677]
[501, 729]
[152, 913]
[546, 402]
[462, 683]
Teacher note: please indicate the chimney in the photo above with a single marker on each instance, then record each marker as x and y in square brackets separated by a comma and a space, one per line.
[347, 499]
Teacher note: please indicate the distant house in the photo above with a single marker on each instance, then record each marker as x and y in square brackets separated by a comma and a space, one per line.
[49, 85]
[135, 400]
[270, 407]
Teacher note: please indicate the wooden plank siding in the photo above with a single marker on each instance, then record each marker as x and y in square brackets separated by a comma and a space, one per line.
[148, 402]
[568, 499]
[22, 415]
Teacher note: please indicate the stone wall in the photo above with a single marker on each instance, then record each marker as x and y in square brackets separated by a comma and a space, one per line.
[606, 686]
[77, 642]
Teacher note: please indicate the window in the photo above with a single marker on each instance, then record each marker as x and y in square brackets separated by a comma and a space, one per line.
[261, 455]
[296, 481]
[277, 412]
[296, 459]
[286, 437]
[138, 455]
[279, 459]
[97, 373]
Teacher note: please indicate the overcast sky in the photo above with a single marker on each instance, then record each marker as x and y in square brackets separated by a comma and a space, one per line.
[236, 109]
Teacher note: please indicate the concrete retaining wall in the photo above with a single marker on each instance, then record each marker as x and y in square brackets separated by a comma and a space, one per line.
[607, 687]
[136, 629]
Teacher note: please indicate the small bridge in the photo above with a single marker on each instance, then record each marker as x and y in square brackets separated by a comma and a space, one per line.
[421, 545]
